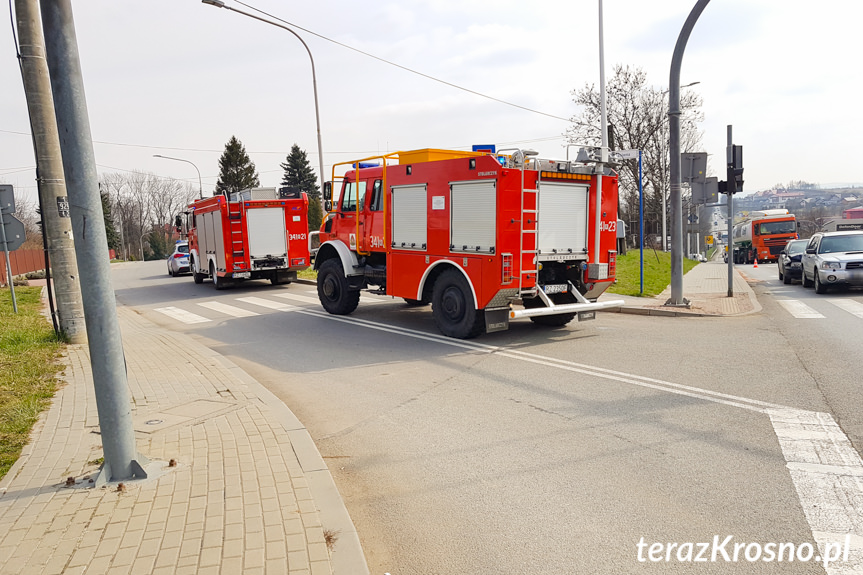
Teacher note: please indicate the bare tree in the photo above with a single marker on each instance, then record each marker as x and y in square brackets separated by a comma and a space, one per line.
[638, 117]
[144, 204]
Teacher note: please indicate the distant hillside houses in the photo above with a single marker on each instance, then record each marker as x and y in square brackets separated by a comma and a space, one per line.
[837, 200]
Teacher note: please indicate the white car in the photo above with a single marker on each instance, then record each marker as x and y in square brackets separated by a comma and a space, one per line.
[178, 261]
[833, 259]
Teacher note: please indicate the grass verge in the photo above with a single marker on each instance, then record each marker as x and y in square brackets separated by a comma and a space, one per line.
[28, 370]
[308, 274]
[657, 273]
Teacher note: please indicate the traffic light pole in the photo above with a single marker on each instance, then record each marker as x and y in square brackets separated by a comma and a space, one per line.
[730, 245]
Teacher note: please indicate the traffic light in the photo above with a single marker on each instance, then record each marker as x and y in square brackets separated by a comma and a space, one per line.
[735, 169]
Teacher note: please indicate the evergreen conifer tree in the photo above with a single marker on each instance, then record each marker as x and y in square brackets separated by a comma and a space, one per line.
[299, 174]
[110, 229]
[236, 171]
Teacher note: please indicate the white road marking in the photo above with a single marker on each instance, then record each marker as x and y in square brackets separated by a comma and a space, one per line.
[828, 475]
[182, 315]
[226, 309]
[313, 299]
[851, 306]
[799, 309]
[297, 297]
[269, 304]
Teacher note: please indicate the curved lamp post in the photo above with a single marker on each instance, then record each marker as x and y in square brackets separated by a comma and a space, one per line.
[200, 186]
[221, 4]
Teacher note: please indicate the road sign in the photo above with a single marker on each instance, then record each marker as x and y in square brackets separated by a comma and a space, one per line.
[7, 199]
[708, 240]
[627, 154]
[15, 235]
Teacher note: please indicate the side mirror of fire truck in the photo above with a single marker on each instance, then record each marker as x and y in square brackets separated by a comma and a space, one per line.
[328, 191]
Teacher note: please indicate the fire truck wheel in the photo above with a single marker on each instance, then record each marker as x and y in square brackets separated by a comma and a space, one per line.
[333, 290]
[218, 283]
[556, 320]
[198, 277]
[452, 307]
[415, 302]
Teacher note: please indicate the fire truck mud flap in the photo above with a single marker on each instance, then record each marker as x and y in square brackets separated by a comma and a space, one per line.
[496, 319]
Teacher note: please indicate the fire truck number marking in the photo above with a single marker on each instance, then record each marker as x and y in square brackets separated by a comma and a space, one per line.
[297, 236]
[376, 242]
[438, 202]
[609, 226]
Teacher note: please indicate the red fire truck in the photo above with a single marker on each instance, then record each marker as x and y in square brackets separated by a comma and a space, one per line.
[261, 233]
[471, 233]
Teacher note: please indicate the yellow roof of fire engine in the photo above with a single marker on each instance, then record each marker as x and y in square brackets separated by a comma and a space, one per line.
[433, 155]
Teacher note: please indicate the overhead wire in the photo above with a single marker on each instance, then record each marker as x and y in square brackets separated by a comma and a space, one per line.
[405, 68]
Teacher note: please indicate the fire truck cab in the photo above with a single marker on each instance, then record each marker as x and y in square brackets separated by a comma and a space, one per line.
[471, 233]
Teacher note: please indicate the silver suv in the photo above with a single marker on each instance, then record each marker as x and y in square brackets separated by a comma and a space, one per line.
[833, 258]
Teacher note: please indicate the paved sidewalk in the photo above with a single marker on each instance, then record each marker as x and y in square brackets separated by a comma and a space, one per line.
[706, 288]
[249, 492]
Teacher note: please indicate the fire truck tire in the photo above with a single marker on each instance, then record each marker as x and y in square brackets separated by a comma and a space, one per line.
[218, 283]
[415, 302]
[333, 290]
[452, 307]
[556, 320]
[198, 277]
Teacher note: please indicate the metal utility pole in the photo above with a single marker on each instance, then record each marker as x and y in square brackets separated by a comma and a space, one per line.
[676, 298]
[603, 151]
[57, 226]
[113, 400]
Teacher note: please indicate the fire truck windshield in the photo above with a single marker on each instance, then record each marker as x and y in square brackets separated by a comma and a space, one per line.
[784, 227]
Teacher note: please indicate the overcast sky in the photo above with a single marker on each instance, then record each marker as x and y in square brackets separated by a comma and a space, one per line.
[179, 78]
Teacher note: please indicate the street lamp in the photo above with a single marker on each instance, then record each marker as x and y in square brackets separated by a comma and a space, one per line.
[200, 186]
[221, 4]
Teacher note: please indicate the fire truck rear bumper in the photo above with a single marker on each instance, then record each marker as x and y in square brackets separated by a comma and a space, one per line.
[566, 308]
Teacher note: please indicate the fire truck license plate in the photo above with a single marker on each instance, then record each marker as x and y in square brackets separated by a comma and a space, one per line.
[586, 315]
[246, 275]
[555, 288]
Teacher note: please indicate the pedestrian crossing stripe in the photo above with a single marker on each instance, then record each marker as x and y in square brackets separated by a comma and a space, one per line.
[799, 309]
[267, 303]
[851, 306]
[301, 298]
[226, 309]
[182, 315]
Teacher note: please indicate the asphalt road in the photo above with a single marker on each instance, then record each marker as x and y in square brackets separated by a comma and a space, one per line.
[534, 450]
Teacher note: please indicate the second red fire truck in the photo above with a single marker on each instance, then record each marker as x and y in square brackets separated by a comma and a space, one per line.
[261, 233]
[471, 233]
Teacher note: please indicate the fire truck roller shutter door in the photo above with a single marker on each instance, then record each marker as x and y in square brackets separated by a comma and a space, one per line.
[473, 213]
[410, 224]
[562, 219]
[267, 237]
